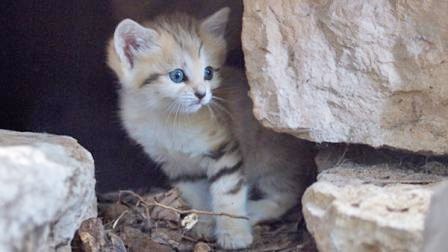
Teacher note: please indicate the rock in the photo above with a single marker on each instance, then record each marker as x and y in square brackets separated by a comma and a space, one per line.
[202, 247]
[47, 188]
[371, 72]
[91, 234]
[375, 207]
[436, 228]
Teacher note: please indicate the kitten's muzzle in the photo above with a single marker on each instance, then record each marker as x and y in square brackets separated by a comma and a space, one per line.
[200, 95]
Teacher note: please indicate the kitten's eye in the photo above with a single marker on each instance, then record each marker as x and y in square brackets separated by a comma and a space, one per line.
[177, 75]
[208, 73]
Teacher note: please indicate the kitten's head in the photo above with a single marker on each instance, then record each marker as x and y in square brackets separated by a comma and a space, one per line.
[171, 63]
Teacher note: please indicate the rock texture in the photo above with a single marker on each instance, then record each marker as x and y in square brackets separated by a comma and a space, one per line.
[436, 228]
[375, 207]
[372, 72]
[47, 188]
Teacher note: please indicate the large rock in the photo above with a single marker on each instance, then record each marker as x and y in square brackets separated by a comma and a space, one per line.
[47, 188]
[378, 206]
[372, 72]
[436, 223]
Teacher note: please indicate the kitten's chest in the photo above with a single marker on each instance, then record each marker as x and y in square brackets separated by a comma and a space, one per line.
[187, 139]
[190, 141]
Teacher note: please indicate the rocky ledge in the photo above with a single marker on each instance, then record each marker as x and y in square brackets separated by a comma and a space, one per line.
[371, 200]
[47, 188]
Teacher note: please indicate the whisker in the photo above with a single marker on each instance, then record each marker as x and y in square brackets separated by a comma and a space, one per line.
[210, 110]
[177, 122]
[219, 98]
[221, 103]
[213, 109]
[169, 110]
[188, 99]
[221, 107]
[228, 89]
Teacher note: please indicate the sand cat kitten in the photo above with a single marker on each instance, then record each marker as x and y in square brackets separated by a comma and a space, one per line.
[192, 115]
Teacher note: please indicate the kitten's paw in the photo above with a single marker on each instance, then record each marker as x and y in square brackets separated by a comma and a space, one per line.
[204, 229]
[236, 237]
[265, 210]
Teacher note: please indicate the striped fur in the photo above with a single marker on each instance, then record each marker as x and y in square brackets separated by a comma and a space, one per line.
[215, 153]
[225, 171]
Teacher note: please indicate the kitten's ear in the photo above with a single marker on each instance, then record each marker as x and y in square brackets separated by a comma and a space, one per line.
[217, 22]
[131, 39]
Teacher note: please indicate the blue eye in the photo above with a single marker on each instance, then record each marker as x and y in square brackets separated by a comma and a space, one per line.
[208, 73]
[177, 75]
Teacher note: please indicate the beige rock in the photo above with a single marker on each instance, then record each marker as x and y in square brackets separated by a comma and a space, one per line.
[372, 72]
[356, 208]
[436, 223]
[47, 188]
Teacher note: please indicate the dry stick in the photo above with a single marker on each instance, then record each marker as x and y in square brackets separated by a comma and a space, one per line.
[188, 238]
[179, 211]
[118, 219]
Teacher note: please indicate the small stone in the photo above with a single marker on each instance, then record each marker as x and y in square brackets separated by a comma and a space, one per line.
[202, 247]
[92, 235]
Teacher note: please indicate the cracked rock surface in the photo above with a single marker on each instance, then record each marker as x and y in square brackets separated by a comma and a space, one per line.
[47, 188]
[371, 72]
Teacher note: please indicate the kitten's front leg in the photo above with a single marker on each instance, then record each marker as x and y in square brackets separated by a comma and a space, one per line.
[229, 195]
[195, 191]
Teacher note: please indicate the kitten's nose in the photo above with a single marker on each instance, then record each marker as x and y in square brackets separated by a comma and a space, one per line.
[199, 95]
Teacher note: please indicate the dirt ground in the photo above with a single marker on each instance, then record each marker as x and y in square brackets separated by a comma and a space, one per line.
[160, 221]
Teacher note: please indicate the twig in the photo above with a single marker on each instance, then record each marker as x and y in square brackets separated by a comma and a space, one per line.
[179, 211]
[188, 238]
[118, 219]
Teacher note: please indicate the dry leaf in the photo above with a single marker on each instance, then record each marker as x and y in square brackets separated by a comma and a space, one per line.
[189, 221]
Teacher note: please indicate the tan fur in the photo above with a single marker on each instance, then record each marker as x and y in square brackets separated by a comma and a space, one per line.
[171, 29]
[212, 148]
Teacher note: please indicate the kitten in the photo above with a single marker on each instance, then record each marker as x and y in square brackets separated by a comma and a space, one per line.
[192, 115]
